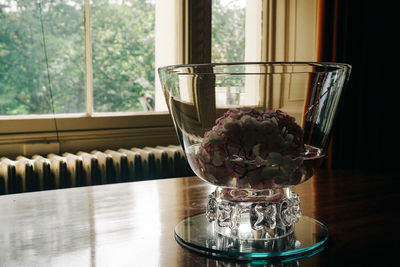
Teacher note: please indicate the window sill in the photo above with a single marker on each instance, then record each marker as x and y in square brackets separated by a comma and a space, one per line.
[27, 136]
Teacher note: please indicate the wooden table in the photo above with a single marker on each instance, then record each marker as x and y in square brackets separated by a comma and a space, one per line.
[131, 224]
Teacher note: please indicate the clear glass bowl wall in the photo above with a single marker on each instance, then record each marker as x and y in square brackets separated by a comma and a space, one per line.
[254, 125]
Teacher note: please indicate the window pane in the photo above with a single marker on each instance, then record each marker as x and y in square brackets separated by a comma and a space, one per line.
[123, 54]
[28, 75]
[228, 30]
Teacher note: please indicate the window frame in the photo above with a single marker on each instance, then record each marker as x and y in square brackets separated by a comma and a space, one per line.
[59, 133]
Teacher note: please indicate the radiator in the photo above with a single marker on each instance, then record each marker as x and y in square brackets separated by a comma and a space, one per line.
[94, 168]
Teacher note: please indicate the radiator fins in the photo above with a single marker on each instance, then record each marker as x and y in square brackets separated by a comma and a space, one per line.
[95, 168]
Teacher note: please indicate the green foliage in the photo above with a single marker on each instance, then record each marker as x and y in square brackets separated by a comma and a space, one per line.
[122, 48]
[123, 52]
[228, 30]
[24, 78]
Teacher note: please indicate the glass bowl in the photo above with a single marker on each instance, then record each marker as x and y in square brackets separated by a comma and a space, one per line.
[254, 130]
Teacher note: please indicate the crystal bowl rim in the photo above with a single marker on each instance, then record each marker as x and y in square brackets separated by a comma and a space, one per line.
[332, 67]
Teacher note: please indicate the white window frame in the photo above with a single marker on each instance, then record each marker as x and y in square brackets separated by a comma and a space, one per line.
[35, 134]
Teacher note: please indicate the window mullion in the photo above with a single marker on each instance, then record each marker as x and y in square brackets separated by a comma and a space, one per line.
[88, 62]
[199, 31]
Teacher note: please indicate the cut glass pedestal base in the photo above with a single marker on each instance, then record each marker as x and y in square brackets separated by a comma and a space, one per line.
[198, 234]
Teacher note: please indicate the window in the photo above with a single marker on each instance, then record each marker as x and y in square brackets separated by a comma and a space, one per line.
[75, 74]
[123, 53]
[42, 46]
[46, 59]
[228, 30]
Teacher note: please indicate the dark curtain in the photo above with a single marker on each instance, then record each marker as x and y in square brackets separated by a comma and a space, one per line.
[365, 35]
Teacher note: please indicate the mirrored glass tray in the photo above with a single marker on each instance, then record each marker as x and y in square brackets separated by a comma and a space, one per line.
[198, 234]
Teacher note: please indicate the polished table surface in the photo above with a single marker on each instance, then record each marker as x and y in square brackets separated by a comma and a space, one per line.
[131, 224]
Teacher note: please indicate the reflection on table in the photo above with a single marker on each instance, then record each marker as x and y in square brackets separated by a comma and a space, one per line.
[132, 224]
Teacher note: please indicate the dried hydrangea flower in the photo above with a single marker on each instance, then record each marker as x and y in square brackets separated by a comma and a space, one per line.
[248, 148]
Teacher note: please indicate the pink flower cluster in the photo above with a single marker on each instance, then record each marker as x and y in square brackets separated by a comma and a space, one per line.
[248, 148]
